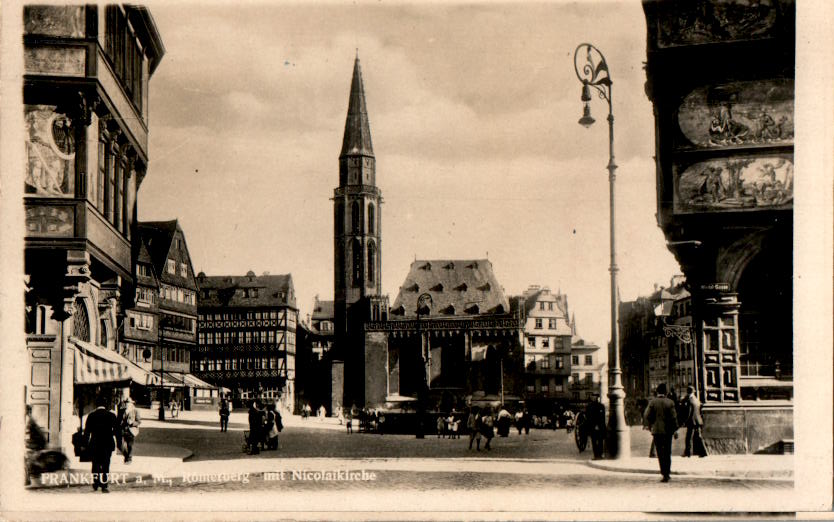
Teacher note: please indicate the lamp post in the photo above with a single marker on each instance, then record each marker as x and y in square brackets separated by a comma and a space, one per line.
[592, 71]
[424, 301]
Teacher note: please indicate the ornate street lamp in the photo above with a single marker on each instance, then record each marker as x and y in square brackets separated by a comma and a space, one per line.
[592, 71]
[424, 302]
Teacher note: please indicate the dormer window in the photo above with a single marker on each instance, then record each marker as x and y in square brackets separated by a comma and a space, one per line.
[437, 288]
[413, 288]
[485, 287]
[400, 310]
[450, 265]
[427, 266]
[473, 309]
[461, 287]
[449, 310]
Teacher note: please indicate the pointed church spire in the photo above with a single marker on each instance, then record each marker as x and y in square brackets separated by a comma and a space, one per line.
[357, 138]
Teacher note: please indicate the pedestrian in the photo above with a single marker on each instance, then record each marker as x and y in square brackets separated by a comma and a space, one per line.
[661, 419]
[349, 422]
[518, 416]
[487, 424]
[526, 420]
[473, 424]
[255, 423]
[100, 432]
[271, 428]
[450, 426]
[693, 422]
[441, 427]
[224, 414]
[595, 419]
[322, 413]
[455, 423]
[129, 421]
[380, 422]
[340, 415]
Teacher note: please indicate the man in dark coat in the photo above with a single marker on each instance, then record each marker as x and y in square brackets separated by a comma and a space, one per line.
[661, 419]
[100, 432]
[693, 422]
[256, 422]
[595, 420]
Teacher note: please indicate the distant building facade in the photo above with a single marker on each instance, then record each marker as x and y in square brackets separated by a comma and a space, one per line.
[247, 336]
[547, 347]
[176, 306]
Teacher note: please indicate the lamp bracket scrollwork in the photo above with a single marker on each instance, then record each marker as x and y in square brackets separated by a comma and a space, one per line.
[592, 69]
[682, 333]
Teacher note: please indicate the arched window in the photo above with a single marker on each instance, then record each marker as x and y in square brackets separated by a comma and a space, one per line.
[355, 217]
[371, 261]
[356, 247]
[371, 218]
[81, 321]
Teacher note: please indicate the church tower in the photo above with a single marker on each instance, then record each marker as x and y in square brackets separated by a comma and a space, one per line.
[357, 218]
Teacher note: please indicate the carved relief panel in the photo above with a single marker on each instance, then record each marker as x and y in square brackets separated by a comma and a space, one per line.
[708, 21]
[50, 152]
[735, 183]
[739, 114]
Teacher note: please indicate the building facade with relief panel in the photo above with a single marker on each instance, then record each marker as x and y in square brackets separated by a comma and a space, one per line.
[720, 76]
[85, 93]
[247, 336]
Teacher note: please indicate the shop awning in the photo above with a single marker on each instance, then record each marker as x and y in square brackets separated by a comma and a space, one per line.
[94, 365]
[194, 382]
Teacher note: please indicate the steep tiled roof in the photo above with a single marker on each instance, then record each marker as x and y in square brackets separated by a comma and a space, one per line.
[323, 310]
[231, 291]
[158, 236]
[457, 287]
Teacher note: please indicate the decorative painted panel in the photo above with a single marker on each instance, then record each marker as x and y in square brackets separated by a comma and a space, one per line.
[64, 61]
[733, 184]
[739, 113]
[50, 152]
[707, 21]
[49, 221]
[54, 20]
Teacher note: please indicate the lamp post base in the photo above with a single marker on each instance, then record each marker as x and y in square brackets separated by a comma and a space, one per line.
[619, 439]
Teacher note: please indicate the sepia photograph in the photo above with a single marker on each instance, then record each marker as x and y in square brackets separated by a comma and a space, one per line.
[481, 260]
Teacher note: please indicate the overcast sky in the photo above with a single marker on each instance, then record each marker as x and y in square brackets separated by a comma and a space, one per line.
[473, 112]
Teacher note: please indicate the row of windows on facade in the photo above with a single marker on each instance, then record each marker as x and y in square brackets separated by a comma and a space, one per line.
[241, 363]
[545, 342]
[356, 220]
[142, 321]
[123, 49]
[175, 293]
[549, 305]
[246, 337]
[551, 323]
[543, 362]
[544, 388]
[683, 377]
[589, 378]
[113, 174]
[250, 315]
[175, 268]
[136, 352]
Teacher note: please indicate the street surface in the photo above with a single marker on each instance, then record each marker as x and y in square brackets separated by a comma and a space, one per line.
[313, 453]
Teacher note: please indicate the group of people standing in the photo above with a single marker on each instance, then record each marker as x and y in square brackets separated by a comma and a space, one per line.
[448, 426]
[264, 426]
